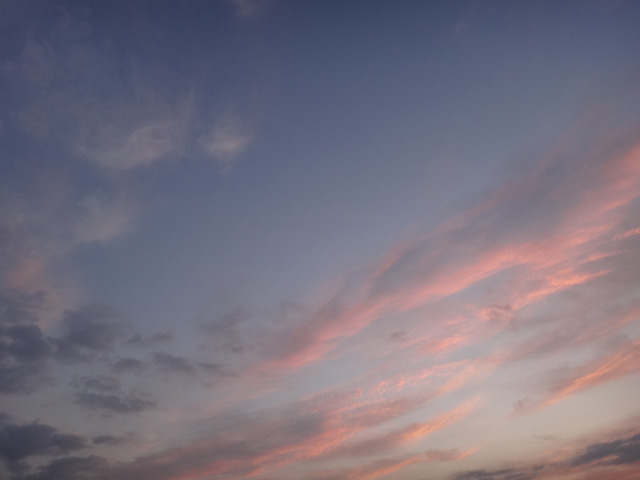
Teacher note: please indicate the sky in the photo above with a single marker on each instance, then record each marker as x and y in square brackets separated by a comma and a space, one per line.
[319, 240]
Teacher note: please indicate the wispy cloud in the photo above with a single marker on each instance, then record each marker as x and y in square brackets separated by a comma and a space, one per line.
[410, 433]
[249, 9]
[143, 143]
[387, 466]
[551, 250]
[227, 139]
[99, 134]
[624, 361]
[304, 430]
[398, 367]
[104, 393]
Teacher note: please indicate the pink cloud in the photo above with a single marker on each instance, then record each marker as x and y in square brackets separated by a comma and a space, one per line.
[625, 360]
[627, 234]
[409, 434]
[308, 429]
[611, 367]
[577, 214]
[388, 466]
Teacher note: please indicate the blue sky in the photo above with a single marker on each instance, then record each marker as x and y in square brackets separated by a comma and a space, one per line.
[319, 240]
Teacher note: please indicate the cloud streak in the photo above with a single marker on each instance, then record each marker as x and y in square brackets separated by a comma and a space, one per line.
[227, 140]
[409, 434]
[148, 285]
[624, 361]
[577, 217]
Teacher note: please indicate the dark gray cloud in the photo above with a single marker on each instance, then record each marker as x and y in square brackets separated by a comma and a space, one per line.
[622, 451]
[25, 343]
[111, 439]
[504, 474]
[113, 402]
[173, 364]
[212, 369]
[70, 468]
[88, 330]
[100, 383]
[18, 442]
[225, 332]
[128, 365]
[151, 340]
[398, 336]
[23, 358]
[18, 307]
[270, 432]
[104, 393]
[207, 373]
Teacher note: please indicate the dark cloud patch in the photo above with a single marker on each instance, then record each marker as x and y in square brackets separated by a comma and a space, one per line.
[612, 454]
[128, 365]
[213, 370]
[71, 468]
[522, 405]
[173, 364]
[235, 456]
[504, 474]
[88, 330]
[225, 332]
[100, 383]
[21, 378]
[104, 393]
[23, 358]
[110, 440]
[18, 442]
[18, 307]
[152, 340]
[398, 336]
[25, 343]
[114, 403]
[617, 452]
